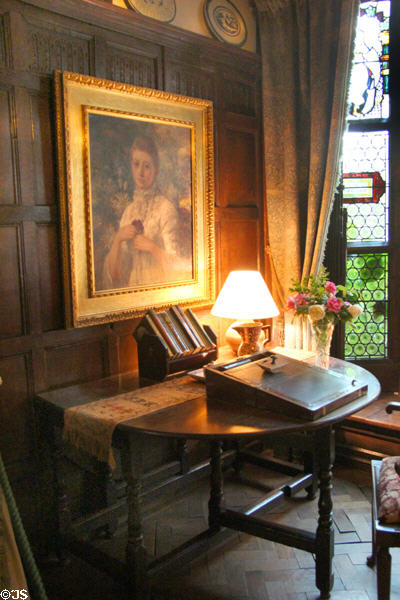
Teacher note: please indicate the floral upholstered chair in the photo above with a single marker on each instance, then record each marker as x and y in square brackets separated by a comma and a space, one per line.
[385, 515]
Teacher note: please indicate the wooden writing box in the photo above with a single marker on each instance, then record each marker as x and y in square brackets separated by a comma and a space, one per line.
[296, 389]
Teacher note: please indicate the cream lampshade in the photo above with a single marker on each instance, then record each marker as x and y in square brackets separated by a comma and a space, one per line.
[246, 298]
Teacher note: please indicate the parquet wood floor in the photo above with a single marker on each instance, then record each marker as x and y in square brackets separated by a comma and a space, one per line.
[244, 567]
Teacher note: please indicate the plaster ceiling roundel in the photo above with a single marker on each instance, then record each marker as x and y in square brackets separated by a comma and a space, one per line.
[162, 10]
[225, 21]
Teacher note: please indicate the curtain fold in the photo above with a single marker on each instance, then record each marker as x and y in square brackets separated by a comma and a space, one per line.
[307, 48]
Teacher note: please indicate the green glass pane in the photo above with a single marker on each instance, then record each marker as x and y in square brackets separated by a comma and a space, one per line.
[369, 273]
[359, 350]
[372, 350]
[352, 338]
[358, 263]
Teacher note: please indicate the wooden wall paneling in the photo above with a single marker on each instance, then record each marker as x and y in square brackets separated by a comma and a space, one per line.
[8, 189]
[16, 414]
[12, 309]
[239, 88]
[128, 351]
[30, 260]
[17, 39]
[239, 95]
[113, 352]
[73, 361]
[99, 56]
[126, 344]
[185, 74]
[50, 284]
[43, 151]
[57, 48]
[24, 250]
[239, 243]
[21, 156]
[239, 180]
[3, 50]
[133, 62]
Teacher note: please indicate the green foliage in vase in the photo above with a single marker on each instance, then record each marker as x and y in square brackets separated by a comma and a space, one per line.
[322, 300]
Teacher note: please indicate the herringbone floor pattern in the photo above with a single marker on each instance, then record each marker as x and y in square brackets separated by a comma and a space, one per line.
[244, 567]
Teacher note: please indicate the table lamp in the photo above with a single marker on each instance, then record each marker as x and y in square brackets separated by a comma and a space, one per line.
[244, 297]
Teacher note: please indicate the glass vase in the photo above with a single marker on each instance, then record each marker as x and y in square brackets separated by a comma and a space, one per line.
[321, 341]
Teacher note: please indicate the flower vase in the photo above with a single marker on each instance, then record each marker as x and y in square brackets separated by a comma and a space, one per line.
[322, 331]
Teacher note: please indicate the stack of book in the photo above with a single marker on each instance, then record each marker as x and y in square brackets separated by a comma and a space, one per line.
[181, 331]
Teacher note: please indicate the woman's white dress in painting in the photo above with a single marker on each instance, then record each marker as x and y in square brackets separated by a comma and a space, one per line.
[157, 219]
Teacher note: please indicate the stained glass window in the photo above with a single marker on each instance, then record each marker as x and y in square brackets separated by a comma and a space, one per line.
[366, 183]
[368, 274]
[369, 84]
[367, 151]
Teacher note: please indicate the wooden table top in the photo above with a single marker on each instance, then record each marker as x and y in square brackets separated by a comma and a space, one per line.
[204, 417]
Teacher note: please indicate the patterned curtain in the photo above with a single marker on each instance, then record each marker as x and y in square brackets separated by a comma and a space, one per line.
[306, 57]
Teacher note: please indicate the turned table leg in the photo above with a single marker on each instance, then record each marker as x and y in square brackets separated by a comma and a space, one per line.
[325, 533]
[62, 509]
[131, 464]
[183, 455]
[310, 466]
[215, 502]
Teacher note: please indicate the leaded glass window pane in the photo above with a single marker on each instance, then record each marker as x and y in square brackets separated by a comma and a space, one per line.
[369, 83]
[368, 275]
[367, 151]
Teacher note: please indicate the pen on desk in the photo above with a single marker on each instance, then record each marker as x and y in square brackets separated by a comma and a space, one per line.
[243, 361]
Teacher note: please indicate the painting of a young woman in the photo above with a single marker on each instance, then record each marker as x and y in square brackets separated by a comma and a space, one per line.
[150, 243]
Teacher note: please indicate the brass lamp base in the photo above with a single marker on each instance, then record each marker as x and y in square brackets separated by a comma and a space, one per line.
[250, 333]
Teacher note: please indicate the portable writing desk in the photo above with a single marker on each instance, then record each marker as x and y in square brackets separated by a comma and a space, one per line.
[216, 421]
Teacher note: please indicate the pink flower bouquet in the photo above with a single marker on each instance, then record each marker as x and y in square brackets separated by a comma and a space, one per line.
[323, 300]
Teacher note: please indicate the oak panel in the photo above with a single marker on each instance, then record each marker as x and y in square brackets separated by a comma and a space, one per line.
[50, 279]
[238, 96]
[11, 313]
[239, 246]
[7, 158]
[43, 149]
[59, 49]
[189, 81]
[239, 181]
[128, 353]
[239, 163]
[3, 54]
[16, 431]
[75, 363]
[135, 66]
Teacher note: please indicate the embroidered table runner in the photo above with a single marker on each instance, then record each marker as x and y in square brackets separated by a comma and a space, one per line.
[90, 427]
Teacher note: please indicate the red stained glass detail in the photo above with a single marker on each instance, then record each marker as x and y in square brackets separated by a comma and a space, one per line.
[368, 187]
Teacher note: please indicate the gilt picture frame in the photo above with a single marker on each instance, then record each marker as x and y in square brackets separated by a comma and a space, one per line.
[136, 187]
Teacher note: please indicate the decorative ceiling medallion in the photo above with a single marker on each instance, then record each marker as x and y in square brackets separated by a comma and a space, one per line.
[225, 21]
[162, 10]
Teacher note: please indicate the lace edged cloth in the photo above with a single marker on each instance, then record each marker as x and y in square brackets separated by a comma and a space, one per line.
[90, 427]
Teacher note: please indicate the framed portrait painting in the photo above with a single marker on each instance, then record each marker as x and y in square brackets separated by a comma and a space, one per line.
[137, 200]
